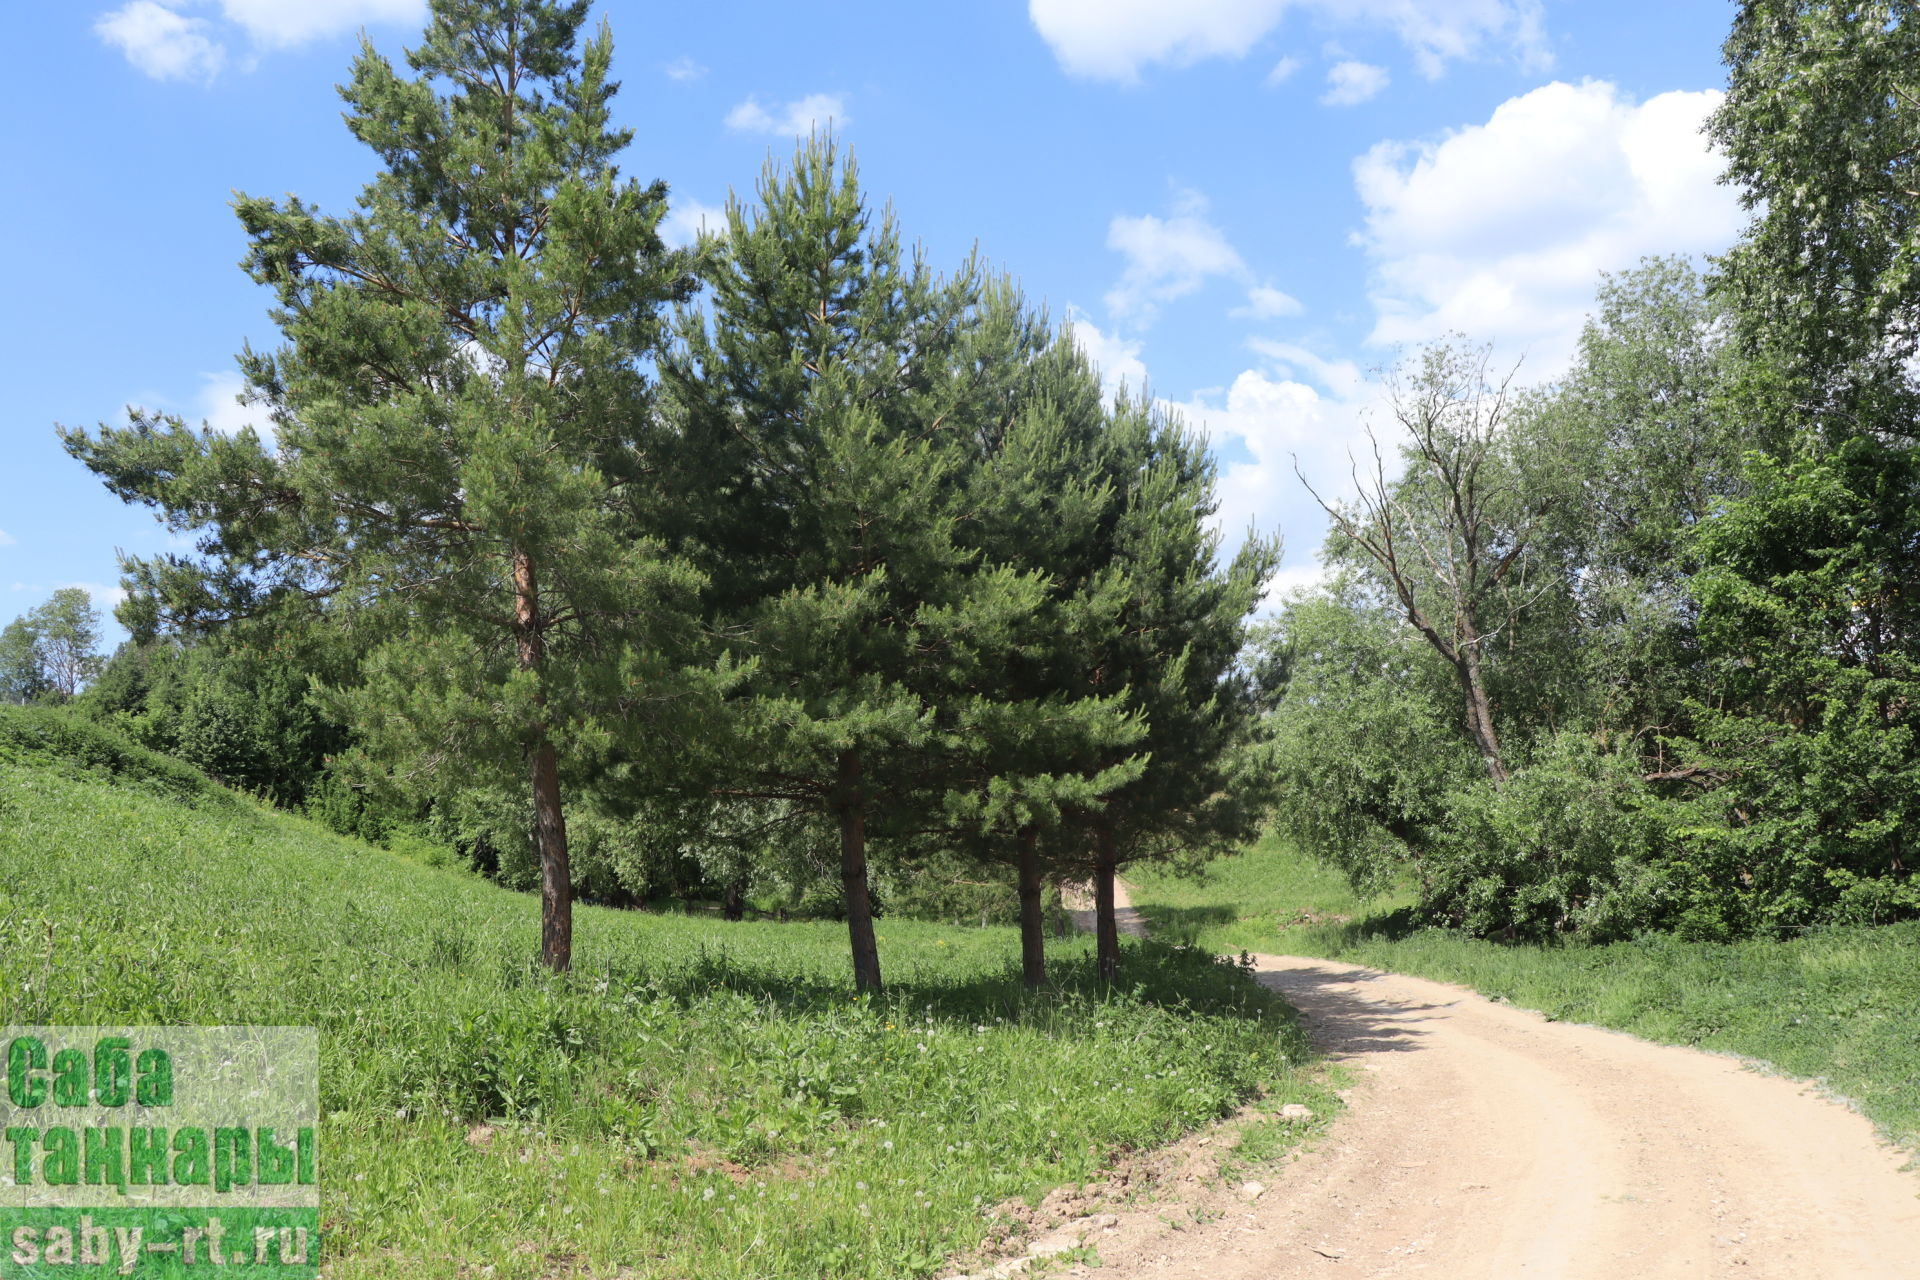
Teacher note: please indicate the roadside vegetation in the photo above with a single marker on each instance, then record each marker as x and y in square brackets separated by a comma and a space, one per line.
[1839, 1004]
[698, 1098]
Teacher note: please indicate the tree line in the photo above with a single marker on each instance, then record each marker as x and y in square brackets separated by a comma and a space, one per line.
[789, 560]
[1640, 649]
[778, 556]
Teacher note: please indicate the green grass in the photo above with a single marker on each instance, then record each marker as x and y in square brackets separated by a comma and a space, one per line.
[1840, 1005]
[1263, 900]
[696, 1098]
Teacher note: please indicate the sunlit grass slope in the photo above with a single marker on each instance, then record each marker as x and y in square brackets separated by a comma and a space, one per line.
[697, 1099]
[1840, 1004]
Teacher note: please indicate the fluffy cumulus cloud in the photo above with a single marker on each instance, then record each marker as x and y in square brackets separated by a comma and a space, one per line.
[283, 23]
[1500, 230]
[1115, 358]
[223, 407]
[99, 595]
[1171, 257]
[1351, 83]
[1167, 258]
[1117, 39]
[686, 219]
[163, 44]
[168, 44]
[1297, 408]
[805, 115]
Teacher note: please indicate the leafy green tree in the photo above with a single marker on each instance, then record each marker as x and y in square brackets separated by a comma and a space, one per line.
[1808, 730]
[23, 676]
[462, 414]
[52, 650]
[1821, 130]
[1363, 743]
[1450, 536]
[236, 704]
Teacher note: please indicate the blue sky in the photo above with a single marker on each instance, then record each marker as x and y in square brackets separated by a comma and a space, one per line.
[1249, 204]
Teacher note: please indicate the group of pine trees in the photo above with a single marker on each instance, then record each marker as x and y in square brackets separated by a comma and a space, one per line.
[783, 546]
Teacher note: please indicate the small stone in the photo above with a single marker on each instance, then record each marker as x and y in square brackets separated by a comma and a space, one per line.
[1252, 1190]
[1296, 1113]
[1048, 1246]
[1107, 1221]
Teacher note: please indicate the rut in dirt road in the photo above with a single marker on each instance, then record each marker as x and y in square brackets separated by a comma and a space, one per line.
[1486, 1141]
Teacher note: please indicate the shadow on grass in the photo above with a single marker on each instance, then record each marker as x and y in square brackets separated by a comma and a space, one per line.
[1386, 926]
[1152, 972]
[1185, 923]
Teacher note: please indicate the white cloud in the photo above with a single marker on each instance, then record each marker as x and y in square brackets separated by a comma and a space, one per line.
[686, 219]
[1116, 359]
[8, 540]
[1116, 39]
[1282, 71]
[168, 45]
[222, 409]
[283, 23]
[1499, 230]
[162, 43]
[1351, 83]
[1301, 407]
[685, 68]
[806, 115]
[1264, 302]
[1167, 258]
[101, 597]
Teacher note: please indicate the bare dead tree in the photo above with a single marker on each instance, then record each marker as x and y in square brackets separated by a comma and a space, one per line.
[1449, 534]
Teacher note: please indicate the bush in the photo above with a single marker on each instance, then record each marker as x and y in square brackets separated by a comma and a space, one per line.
[53, 737]
[1574, 843]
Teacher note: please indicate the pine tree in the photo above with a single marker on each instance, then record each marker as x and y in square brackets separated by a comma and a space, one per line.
[822, 405]
[1174, 654]
[461, 464]
[1038, 750]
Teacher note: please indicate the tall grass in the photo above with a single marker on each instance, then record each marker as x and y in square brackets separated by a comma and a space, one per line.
[696, 1098]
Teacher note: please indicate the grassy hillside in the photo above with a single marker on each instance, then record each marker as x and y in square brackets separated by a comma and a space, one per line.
[697, 1098]
[1839, 1004]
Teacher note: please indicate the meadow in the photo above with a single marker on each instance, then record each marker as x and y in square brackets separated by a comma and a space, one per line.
[1839, 1004]
[695, 1098]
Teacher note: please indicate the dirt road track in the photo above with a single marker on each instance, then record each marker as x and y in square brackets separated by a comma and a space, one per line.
[1486, 1141]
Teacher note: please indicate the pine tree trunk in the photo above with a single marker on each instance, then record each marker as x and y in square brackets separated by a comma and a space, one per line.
[556, 873]
[853, 875]
[549, 818]
[1033, 924]
[1106, 928]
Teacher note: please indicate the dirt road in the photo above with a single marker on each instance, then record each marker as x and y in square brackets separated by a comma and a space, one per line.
[1485, 1141]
